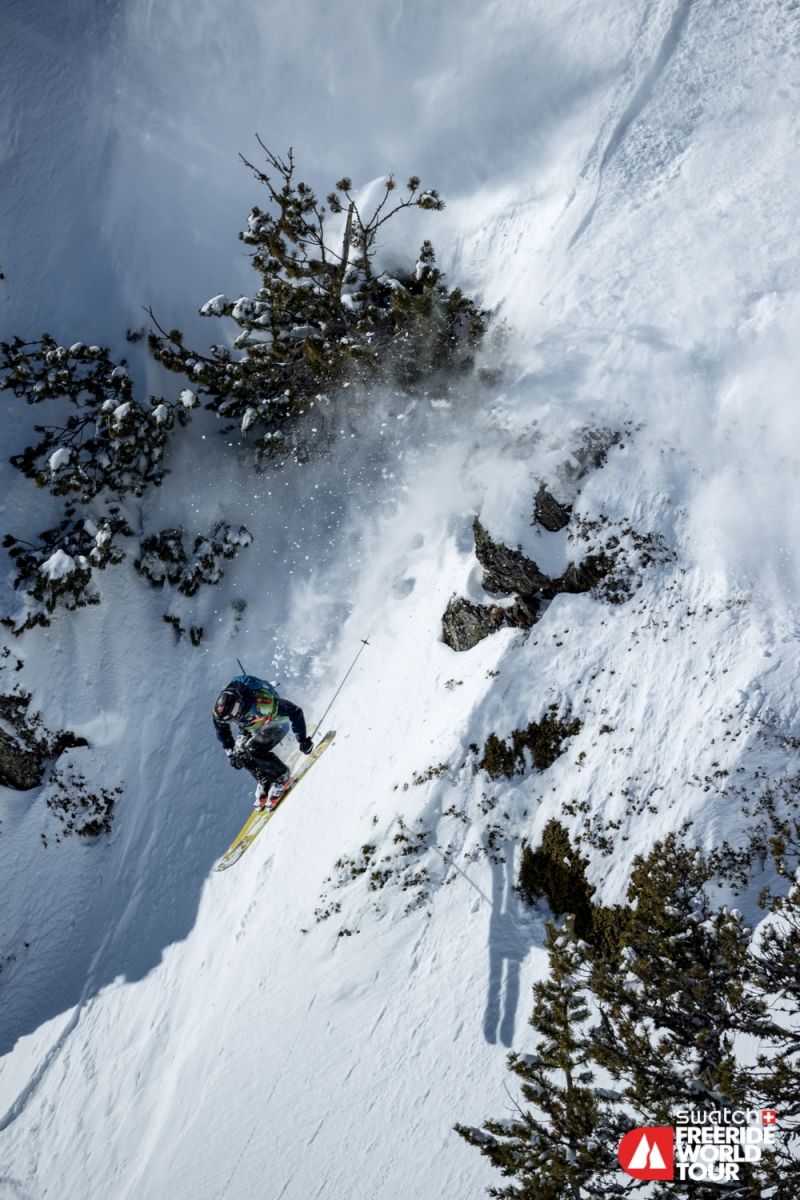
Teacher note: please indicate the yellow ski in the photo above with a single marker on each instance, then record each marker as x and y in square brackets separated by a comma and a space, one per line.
[259, 818]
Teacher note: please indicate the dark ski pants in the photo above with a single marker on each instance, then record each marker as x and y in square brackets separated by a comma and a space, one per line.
[257, 757]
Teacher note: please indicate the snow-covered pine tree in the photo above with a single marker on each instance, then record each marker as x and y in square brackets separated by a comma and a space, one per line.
[778, 1066]
[679, 1006]
[322, 317]
[566, 1146]
[681, 1002]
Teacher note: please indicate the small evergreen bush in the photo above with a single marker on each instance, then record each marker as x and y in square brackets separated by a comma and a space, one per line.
[164, 559]
[557, 872]
[104, 441]
[543, 739]
[58, 570]
[498, 758]
[79, 809]
[102, 447]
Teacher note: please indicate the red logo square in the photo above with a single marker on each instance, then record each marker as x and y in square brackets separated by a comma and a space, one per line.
[648, 1152]
[768, 1116]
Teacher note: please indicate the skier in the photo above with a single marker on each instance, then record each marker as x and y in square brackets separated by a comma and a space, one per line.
[264, 719]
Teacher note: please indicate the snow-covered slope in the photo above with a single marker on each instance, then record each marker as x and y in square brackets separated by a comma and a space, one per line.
[623, 192]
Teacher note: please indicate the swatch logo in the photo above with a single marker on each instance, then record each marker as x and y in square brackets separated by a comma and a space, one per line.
[648, 1153]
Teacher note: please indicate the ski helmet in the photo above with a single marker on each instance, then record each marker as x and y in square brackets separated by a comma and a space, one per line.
[230, 703]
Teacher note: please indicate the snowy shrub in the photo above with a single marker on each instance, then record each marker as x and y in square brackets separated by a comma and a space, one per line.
[618, 555]
[321, 315]
[26, 746]
[58, 571]
[101, 439]
[543, 739]
[101, 446]
[195, 631]
[557, 872]
[79, 809]
[163, 558]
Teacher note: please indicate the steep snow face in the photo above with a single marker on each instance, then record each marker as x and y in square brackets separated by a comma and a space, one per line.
[313, 1021]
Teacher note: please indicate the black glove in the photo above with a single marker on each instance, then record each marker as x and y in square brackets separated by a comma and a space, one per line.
[306, 745]
[234, 758]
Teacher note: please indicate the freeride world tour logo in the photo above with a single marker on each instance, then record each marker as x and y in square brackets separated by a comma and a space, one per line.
[649, 1152]
[702, 1145]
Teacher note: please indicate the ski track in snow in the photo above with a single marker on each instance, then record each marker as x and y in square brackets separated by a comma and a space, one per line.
[622, 188]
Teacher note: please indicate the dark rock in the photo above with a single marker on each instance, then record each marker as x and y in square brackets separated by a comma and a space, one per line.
[548, 513]
[26, 752]
[20, 769]
[523, 613]
[580, 578]
[592, 452]
[465, 624]
[506, 571]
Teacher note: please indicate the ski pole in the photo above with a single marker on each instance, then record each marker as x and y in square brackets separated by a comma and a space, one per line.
[239, 661]
[364, 642]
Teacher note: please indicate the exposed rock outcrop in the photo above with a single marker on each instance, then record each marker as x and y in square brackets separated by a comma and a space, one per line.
[581, 578]
[465, 624]
[548, 513]
[20, 769]
[506, 572]
[26, 753]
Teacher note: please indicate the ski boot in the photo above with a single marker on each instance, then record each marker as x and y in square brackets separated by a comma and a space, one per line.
[268, 795]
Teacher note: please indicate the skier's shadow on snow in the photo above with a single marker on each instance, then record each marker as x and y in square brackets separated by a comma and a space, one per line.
[510, 938]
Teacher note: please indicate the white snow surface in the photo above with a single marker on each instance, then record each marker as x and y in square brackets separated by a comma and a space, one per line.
[622, 190]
